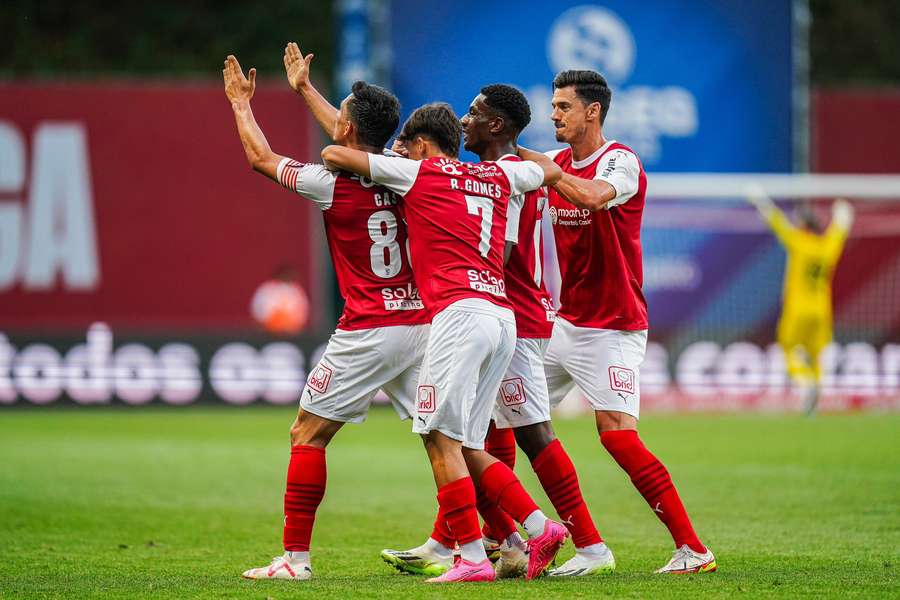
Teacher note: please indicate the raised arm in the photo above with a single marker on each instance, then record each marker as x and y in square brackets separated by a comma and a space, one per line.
[239, 91]
[296, 67]
[771, 214]
[340, 158]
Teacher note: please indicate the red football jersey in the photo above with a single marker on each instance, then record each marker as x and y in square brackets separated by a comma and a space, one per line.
[600, 252]
[525, 288]
[456, 214]
[368, 241]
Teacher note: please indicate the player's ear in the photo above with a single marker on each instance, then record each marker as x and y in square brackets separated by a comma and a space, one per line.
[497, 124]
[593, 111]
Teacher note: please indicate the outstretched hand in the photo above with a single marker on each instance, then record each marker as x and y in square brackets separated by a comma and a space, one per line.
[237, 87]
[296, 66]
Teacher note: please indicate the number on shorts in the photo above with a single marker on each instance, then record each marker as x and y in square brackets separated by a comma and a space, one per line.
[478, 204]
[385, 251]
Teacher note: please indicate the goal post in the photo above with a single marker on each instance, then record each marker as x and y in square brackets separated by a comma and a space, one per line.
[713, 277]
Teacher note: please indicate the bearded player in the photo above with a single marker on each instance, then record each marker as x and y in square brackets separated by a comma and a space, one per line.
[600, 335]
[381, 335]
[456, 214]
[491, 128]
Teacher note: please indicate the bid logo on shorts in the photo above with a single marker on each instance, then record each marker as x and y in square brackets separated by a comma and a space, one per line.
[425, 399]
[320, 378]
[512, 391]
[621, 379]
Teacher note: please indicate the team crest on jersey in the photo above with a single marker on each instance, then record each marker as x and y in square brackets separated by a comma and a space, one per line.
[621, 379]
[320, 378]
[426, 399]
[512, 391]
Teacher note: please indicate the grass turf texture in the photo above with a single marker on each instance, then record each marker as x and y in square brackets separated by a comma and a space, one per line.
[169, 503]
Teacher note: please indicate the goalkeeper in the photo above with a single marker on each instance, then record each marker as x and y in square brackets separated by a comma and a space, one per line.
[805, 326]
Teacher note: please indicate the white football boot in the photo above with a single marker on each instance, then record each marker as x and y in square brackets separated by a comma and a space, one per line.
[282, 567]
[599, 561]
[686, 560]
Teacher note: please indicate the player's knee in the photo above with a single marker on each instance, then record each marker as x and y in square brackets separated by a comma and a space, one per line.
[310, 430]
[532, 439]
[609, 420]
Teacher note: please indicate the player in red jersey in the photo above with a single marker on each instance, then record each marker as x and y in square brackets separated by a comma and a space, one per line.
[491, 129]
[383, 332]
[456, 213]
[600, 336]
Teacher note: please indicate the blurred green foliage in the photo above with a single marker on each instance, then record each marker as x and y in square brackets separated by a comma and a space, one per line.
[80, 38]
[851, 41]
[855, 42]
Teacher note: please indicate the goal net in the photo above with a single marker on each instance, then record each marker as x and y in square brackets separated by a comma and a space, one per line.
[713, 277]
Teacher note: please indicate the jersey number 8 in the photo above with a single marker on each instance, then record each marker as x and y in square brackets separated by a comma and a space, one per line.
[385, 253]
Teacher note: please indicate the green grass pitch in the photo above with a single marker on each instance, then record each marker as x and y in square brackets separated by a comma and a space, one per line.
[175, 503]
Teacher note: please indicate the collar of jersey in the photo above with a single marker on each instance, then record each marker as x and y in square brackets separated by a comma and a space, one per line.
[580, 164]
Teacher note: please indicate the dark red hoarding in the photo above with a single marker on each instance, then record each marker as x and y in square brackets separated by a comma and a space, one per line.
[134, 205]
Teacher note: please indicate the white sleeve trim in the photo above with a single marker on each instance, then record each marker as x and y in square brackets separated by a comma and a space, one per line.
[396, 173]
[524, 176]
[551, 154]
[309, 180]
[620, 169]
[513, 214]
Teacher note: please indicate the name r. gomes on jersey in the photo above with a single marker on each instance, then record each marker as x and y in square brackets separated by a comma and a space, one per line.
[481, 188]
[570, 217]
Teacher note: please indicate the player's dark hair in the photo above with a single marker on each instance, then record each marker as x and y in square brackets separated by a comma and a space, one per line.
[375, 112]
[436, 122]
[590, 87]
[510, 103]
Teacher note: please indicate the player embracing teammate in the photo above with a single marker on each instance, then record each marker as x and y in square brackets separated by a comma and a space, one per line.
[456, 214]
[600, 335]
[522, 412]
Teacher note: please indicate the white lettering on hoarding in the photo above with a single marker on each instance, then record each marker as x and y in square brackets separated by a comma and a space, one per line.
[52, 237]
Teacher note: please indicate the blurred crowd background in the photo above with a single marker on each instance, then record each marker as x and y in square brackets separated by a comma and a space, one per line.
[141, 261]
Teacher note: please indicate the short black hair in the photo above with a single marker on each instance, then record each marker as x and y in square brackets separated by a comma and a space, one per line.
[438, 123]
[375, 112]
[590, 87]
[510, 103]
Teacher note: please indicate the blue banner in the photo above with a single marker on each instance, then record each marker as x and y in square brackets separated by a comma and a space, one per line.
[697, 86]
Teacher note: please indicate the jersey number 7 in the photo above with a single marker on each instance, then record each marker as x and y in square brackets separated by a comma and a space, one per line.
[476, 205]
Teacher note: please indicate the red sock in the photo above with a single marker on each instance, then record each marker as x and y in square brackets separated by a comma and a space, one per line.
[441, 532]
[501, 444]
[304, 491]
[497, 524]
[502, 487]
[557, 474]
[457, 502]
[652, 480]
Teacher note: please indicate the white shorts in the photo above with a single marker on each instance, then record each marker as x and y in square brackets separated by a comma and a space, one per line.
[469, 349]
[603, 363]
[356, 364]
[523, 398]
